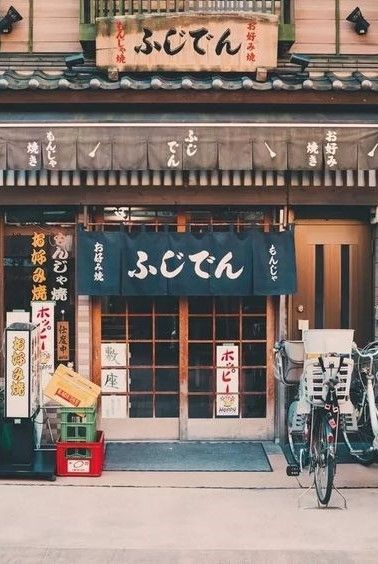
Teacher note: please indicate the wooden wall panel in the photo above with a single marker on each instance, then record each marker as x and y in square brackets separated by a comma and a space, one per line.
[56, 26]
[350, 42]
[18, 40]
[315, 27]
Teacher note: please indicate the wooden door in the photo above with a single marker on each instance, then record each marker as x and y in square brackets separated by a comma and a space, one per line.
[334, 277]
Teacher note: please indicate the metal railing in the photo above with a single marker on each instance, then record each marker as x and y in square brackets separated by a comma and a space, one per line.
[92, 9]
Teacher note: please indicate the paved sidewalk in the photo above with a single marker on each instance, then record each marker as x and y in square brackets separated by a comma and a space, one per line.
[103, 525]
[189, 518]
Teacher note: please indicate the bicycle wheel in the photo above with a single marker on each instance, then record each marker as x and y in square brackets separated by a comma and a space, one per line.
[360, 440]
[323, 459]
[296, 436]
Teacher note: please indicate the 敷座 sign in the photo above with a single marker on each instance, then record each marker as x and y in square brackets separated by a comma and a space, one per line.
[226, 42]
[186, 264]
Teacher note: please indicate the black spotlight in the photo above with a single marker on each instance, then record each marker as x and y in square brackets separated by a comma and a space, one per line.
[74, 60]
[300, 60]
[360, 24]
[7, 21]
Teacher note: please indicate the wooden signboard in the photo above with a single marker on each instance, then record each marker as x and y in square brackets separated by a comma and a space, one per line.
[227, 42]
[63, 340]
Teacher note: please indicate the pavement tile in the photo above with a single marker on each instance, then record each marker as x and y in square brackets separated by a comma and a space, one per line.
[22, 555]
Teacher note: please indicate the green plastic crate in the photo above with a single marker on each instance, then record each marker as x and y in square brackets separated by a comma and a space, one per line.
[77, 424]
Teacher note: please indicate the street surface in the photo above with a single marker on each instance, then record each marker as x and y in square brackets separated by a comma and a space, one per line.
[59, 523]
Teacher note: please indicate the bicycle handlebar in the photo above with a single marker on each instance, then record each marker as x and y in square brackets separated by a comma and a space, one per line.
[365, 355]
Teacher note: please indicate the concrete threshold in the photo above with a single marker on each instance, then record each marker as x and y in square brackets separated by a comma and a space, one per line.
[347, 476]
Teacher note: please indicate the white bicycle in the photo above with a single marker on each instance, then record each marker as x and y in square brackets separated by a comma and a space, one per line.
[360, 429]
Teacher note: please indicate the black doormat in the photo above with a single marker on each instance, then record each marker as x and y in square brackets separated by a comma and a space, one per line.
[187, 456]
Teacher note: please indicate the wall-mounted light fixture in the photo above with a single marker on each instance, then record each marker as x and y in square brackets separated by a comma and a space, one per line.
[10, 18]
[300, 60]
[74, 60]
[360, 24]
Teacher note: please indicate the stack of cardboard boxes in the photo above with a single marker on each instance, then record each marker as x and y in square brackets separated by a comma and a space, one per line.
[81, 447]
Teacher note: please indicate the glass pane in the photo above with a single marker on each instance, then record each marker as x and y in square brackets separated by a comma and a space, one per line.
[254, 305]
[200, 328]
[200, 305]
[345, 289]
[227, 328]
[140, 354]
[166, 305]
[140, 328]
[200, 354]
[226, 304]
[141, 380]
[113, 304]
[166, 327]
[254, 328]
[166, 380]
[140, 406]
[254, 354]
[140, 305]
[254, 406]
[254, 379]
[113, 328]
[319, 286]
[200, 407]
[200, 380]
[166, 354]
[166, 406]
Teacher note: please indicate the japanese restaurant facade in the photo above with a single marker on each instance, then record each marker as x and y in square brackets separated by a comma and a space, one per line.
[154, 217]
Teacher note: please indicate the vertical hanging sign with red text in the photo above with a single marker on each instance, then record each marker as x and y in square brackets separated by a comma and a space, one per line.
[43, 316]
[227, 404]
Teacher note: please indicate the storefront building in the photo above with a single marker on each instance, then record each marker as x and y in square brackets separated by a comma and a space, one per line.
[183, 172]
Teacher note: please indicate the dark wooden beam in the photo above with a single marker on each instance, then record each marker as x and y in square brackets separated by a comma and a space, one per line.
[187, 196]
[154, 97]
[134, 196]
[333, 196]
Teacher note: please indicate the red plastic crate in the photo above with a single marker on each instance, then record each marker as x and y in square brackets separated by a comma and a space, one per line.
[80, 458]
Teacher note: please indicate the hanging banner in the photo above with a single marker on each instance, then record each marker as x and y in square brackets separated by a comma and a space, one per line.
[227, 404]
[42, 314]
[185, 264]
[274, 268]
[99, 263]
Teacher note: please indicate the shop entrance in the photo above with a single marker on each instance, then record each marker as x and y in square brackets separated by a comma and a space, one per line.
[165, 382]
[334, 277]
[167, 379]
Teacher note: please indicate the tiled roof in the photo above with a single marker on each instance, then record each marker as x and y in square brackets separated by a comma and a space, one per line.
[91, 78]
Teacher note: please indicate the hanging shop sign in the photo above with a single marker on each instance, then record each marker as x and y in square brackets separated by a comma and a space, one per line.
[113, 380]
[114, 407]
[185, 264]
[63, 341]
[114, 355]
[227, 42]
[22, 370]
[38, 258]
[227, 357]
[206, 146]
[49, 255]
[42, 314]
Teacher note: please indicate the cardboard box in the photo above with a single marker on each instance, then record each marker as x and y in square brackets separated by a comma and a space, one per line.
[69, 389]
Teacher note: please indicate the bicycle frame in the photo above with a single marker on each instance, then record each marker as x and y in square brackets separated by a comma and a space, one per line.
[370, 378]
